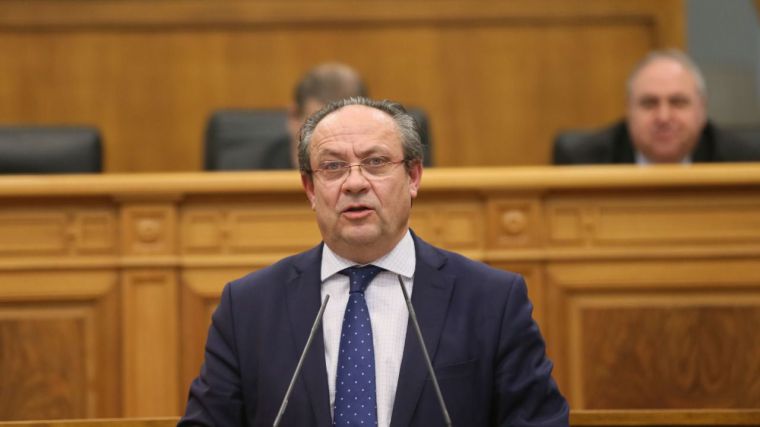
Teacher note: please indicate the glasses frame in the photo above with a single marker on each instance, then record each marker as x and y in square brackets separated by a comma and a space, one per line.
[345, 169]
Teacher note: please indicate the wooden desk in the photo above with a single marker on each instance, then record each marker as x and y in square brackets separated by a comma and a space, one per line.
[646, 282]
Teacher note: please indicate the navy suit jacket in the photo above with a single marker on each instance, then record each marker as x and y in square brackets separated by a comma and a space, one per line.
[476, 321]
[613, 145]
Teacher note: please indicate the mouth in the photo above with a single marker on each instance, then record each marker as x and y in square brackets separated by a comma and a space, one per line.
[357, 211]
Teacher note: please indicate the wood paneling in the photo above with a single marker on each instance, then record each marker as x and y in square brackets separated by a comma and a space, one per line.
[657, 334]
[664, 418]
[151, 343]
[655, 355]
[637, 311]
[59, 340]
[503, 76]
[56, 229]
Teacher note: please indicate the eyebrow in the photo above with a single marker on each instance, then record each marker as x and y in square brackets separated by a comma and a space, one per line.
[370, 151]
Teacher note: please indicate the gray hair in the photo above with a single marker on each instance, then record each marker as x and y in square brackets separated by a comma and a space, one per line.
[406, 125]
[672, 55]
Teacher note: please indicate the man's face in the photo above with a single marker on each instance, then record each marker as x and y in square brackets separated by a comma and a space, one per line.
[361, 217]
[666, 113]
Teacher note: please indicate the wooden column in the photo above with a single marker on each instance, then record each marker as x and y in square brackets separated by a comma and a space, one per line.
[149, 291]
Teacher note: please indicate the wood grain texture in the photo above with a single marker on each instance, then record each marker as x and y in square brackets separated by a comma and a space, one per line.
[670, 357]
[668, 316]
[150, 317]
[656, 333]
[57, 350]
[43, 375]
[665, 418]
[497, 78]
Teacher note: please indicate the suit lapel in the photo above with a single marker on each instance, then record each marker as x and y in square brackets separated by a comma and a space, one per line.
[303, 306]
[430, 298]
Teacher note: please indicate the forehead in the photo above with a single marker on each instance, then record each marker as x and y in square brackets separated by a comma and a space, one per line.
[663, 76]
[356, 125]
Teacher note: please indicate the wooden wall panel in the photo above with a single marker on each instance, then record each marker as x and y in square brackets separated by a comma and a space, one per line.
[200, 293]
[503, 76]
[658, 219]
[59, 337]
[59, 229]
[657, 334]
[453, 222]
[151, 343]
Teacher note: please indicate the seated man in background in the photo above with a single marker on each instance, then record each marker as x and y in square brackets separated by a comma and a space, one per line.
[665, 122]
[319, 86]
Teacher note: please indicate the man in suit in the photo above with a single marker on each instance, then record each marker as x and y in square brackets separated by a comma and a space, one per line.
[361, 168]
[665, 122]
[322, 84]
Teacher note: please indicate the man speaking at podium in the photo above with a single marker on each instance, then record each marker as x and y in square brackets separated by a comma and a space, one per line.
[361, 167]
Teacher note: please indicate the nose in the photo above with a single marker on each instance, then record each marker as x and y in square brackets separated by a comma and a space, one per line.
[355, 181]
[663, 112]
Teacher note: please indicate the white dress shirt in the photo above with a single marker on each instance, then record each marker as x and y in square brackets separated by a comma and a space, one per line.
[387, 312]
[642, 160]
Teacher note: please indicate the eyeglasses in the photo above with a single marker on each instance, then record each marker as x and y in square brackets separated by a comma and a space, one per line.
[372, 167]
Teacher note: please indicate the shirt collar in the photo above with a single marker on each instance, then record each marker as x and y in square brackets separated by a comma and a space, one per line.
[641, 159]
[400, 260]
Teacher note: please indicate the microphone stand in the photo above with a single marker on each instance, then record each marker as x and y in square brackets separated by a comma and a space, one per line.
[416, 324]
[313, 332]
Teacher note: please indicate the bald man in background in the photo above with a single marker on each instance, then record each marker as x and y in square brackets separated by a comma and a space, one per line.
[318, 87]
[666, 122]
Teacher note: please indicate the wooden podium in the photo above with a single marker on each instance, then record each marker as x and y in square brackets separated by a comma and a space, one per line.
[645, 281]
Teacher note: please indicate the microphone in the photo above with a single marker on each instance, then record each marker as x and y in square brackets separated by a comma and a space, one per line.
[313, 332]
[416, 324]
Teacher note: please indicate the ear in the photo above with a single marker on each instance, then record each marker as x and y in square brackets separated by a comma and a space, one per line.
[415, 178]
[308, 185]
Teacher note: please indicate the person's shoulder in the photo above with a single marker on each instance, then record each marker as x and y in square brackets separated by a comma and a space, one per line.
[589, 147]
[274, 275]
[277, 155]
[733, 146]
[460, 266]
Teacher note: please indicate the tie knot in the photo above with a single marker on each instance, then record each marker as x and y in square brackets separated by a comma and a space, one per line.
[359, 277]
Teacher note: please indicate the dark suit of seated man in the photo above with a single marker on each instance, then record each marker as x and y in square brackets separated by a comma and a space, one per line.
[361, 168]
[665, 122]
[614, 145]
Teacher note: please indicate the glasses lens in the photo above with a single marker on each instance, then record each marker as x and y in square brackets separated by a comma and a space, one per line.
[370, 167]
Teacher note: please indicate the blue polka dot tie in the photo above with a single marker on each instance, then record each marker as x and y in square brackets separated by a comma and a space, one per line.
[355, 402]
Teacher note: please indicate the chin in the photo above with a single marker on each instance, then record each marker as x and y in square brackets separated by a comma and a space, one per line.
[363, 236]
